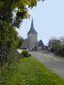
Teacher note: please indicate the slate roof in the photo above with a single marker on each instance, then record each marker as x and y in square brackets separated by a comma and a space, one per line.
[32, 30]
[40, 43]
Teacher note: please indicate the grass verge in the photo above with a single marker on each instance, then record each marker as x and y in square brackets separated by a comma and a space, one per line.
[28, 71]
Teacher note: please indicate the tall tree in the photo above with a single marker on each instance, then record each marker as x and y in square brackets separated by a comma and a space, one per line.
[8, 34]
[8, 6]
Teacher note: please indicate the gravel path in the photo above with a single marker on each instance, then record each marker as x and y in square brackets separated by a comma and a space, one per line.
[50, 61]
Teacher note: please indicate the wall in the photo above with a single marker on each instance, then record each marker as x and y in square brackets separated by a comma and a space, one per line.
[33, 37]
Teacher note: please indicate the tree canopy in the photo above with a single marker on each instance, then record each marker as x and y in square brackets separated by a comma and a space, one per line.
[8, 35]
[19, 6]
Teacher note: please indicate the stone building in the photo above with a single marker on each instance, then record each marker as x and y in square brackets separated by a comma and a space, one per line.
[32, 39]
[41, 45]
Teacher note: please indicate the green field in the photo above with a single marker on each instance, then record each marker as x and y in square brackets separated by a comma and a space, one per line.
[28, 71]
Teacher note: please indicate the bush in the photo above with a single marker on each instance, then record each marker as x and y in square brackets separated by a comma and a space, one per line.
[57, 46]
[9, 41]
[25, 53]
[60, 52]
[29, 55]
[7, 55]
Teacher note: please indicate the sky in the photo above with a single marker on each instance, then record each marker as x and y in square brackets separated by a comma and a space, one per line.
[48, 17]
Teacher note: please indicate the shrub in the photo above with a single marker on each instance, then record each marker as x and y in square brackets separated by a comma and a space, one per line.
[7, 55]
[9, 41]
[60, 52]
[25, 53]
[57, 46]
[29, 55]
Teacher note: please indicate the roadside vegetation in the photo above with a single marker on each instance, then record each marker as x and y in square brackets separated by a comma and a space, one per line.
[12, 14]
[28, 71]
[56, 46]
[15, 69]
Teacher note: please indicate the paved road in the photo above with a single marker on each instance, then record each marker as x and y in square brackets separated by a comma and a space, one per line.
[51, 62]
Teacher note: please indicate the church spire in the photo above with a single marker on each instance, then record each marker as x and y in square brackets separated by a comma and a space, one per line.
[32, 25]
[32, 30]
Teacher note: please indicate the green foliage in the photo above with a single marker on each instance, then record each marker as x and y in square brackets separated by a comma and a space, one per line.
[7, 7]
[8, 34]
[29, 55]
[57, 46]
[60, 50]
[25, 53]
[6, 14]
[8, 41]
[15, 3]
[28, 71]
[19, 41]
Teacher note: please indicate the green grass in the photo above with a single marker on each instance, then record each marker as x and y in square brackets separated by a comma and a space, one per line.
[28, 71]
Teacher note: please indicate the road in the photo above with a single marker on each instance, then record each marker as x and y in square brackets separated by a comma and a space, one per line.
[50, 61]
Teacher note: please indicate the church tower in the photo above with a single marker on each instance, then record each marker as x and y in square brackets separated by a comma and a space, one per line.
[32, 39]
[32, 35]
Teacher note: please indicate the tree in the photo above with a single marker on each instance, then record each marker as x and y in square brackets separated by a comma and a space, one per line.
[57, 46]
[19, 41]
[8, 37]
[8, 6]
[54, 44]
[8, 34]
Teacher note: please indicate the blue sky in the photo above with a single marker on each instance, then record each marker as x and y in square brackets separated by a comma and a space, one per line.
[48, 17]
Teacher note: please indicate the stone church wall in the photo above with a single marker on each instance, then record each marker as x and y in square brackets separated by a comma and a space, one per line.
[32, 37]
